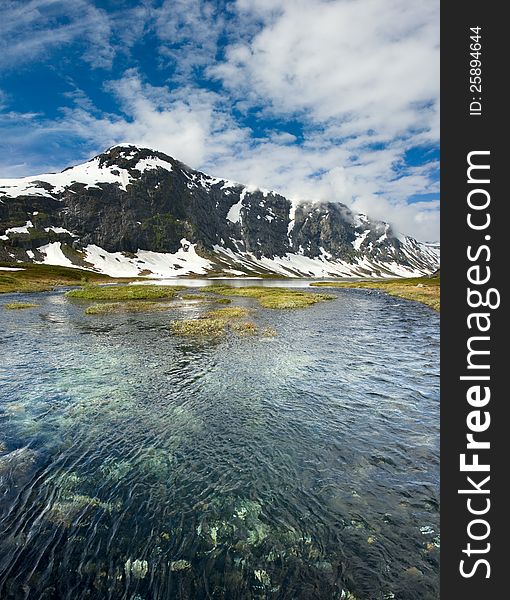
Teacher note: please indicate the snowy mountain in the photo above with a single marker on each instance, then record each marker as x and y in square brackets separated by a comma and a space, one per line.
[134, 211]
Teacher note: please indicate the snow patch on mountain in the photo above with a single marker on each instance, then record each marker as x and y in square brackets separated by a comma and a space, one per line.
[298, 265]
[59, 230]
[315, 239]
[20, 230]
[91, 174]
[145, 262]
[53, 255]
[234, 214]
[147, 164]
[360, 238]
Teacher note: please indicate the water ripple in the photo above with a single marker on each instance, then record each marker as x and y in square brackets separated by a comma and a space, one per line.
[135, 465]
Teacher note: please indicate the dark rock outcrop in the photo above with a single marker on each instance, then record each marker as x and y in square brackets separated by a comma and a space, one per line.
[129, 199]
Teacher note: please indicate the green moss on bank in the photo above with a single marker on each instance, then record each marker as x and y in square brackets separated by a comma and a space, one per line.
[276, 298]
[43, 278]
[216, 323]
[426, 290]
[20, 305]
[199, 327]
[125, 292]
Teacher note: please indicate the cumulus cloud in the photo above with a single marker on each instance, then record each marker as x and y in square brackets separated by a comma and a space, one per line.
[371, 63]
[419, 219]
[185, 122]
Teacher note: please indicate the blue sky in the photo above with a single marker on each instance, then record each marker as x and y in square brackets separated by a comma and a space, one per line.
[318, 99]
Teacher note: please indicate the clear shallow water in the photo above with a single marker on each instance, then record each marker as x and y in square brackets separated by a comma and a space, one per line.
[138, 465]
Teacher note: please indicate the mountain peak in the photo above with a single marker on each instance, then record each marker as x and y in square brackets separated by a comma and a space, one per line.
[118, 165]
[132, 210]
[131, 157]
[131, 151]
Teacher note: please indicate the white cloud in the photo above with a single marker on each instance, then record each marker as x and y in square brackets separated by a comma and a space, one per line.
[360, 76]
[187, 123]
[356, 73]
[367, 64]
[420, 219]
[31, 30]
[196, 127]
[188, 31]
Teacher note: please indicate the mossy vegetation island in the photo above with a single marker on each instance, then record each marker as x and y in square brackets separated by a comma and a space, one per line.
[215, 323]
[125, 293]
[273, 297]
[20, 305]
[139, 298]
[128, 298]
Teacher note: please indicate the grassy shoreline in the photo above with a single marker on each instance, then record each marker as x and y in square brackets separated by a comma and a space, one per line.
[41, 278]
[425, 290]
[44, 278]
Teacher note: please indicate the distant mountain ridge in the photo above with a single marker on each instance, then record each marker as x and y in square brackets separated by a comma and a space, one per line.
[135, 211]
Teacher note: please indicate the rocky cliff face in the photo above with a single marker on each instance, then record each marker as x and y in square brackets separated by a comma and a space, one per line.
[135, 211]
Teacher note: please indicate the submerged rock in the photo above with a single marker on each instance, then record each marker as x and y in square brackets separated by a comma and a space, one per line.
[69, 502]
[426, 530]
[115, 471]
[324, 565]
[180, 565]
[136, 568]
[17, 461]
[414, 572]
[346, 595]
[65, 510]
[263, 577]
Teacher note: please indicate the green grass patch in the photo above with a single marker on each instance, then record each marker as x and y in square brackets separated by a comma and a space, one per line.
[244, 328]
[216, 327]
[20, 305]
[215, 323]
[125, 292]
[199, 327]
[426, 290]
[277, 298]
[43, 278]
